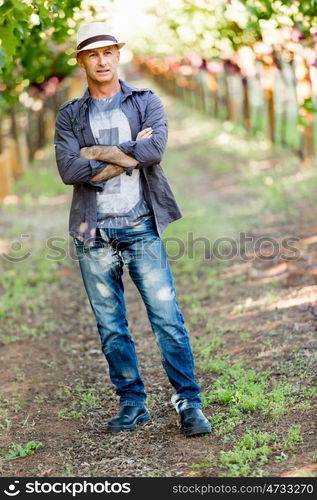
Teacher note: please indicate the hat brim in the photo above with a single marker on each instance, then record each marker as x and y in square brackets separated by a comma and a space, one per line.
[97, 45]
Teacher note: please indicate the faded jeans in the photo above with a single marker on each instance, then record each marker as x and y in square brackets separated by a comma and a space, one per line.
[141, 250]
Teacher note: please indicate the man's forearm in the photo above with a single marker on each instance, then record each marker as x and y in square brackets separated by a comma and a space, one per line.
[108, 172]
[108, 154]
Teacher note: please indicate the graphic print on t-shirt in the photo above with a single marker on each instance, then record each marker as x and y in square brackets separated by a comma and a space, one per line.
[111, 136]
[121, 202]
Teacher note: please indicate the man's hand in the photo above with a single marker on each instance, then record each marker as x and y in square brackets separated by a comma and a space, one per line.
[88, 153]
[144, 134]
[108, 172]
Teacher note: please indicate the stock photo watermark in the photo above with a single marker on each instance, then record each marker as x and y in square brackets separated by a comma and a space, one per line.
[244, 248]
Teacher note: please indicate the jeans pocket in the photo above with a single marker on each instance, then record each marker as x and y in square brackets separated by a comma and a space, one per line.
[78, 243]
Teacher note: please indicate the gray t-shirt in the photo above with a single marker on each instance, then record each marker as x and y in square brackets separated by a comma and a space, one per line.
[121, 203]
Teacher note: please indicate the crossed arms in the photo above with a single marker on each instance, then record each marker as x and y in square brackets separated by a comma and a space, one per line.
[96, 164]
[116, 160]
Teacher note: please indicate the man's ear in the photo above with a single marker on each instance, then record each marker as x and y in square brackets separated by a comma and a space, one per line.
[79, 61]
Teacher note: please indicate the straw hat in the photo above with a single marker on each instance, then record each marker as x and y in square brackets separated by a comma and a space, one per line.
[93, 36]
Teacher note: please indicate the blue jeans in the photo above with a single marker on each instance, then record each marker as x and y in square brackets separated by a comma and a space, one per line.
[141, 250]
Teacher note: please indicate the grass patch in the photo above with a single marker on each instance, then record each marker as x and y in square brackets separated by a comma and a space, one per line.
[225, 422]
[8, 339]
[252, 449]
[25, 282]
[22, 451]
[67, 414]
[81, 398]
[38, 182]
[41, 398]
[205, 347]
[282, 187]
[245, 458]
[294, 437]
[88, 399]
[248, 390]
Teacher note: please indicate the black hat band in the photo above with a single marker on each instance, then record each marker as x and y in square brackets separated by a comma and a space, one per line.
[94, 39]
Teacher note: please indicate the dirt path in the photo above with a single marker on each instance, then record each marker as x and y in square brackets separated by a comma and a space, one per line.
[259, 312]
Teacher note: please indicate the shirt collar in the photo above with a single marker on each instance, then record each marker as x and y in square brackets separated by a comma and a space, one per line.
[126, 90]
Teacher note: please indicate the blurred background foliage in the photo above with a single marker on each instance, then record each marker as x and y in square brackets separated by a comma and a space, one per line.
[34, 38]
[258, 52]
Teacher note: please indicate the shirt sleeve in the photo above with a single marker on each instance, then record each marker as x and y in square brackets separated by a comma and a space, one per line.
[150, 151]
[72, 168]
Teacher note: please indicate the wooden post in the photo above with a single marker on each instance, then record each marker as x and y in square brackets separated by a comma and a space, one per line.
[19, 149]
[30, 135]
[40, 142]
[201, 93]
[6, 174]
[228, 101]
[284, 113]
[246, 103]
[268, 84]
[304, 91]
[213, 87]
[1, 131]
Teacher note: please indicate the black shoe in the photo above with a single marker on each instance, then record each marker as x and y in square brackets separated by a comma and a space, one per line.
[193, 422]
[128, 418]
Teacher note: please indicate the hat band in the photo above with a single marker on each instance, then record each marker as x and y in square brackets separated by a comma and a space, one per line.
[94, 39]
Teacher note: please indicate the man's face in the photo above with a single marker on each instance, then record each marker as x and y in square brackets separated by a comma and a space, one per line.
[100, 64]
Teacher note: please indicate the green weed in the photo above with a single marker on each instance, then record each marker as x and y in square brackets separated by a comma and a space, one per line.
[244, 337]
[17, 407]
[21, 451]
[293, 438]
[298, 366]
[281, 457]
[63, 393]
[278, 399]
[225, 422]
[216, 364]
[196, 313]
[32, 332]
[69, 470]
[68, 414]
[5, 426]
[88, 399]
[41, 398]
[244, 388]
[154, 473]
[204, 465]
[8, 339]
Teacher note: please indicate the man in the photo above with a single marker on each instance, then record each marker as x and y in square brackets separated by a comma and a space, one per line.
[109, 145]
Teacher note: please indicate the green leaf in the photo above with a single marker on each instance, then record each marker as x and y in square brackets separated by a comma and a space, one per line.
[9, 40]
[2, 57]
[309, 105]
[302, 121]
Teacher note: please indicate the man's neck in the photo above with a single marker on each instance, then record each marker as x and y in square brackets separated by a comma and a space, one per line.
[105, 90]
